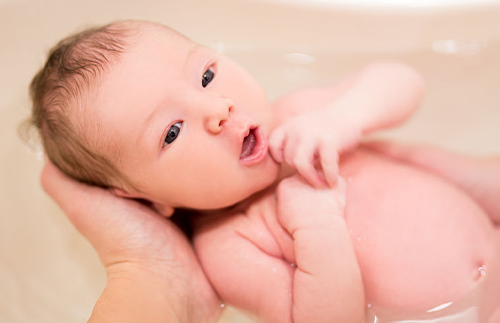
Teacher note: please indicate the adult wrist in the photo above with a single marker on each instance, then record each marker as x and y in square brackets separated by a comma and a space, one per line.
[142, 294]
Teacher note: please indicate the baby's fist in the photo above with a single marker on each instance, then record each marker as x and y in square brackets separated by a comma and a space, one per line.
[313, 142]
[302, 206]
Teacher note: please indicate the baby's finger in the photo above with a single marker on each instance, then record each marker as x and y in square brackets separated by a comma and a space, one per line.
[341, 187]
[290, 149]
[277, 142]
[304, 164]
[329, 159]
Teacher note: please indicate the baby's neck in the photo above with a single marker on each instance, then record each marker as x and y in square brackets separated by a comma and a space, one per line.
[243, 205]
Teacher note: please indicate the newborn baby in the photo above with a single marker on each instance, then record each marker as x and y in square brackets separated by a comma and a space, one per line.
[294, 220]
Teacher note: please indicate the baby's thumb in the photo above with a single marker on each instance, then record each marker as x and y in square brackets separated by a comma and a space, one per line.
[276, 145]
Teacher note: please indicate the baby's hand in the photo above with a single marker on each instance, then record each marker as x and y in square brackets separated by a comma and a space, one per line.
[302, 206]
[312, 138]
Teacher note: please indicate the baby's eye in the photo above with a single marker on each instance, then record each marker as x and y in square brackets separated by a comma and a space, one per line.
[172, 133]
[208, 76]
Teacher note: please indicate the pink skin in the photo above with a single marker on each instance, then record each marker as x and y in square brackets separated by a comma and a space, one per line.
[159, 84]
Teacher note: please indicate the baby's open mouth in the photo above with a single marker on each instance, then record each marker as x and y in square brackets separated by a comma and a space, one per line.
[254, 147]
[248, 144]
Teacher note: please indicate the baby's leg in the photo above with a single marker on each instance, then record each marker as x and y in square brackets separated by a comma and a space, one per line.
[478, 176]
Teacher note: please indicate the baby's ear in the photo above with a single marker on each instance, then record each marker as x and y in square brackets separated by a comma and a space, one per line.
[163, 210]
[166, 211]
[121, 193]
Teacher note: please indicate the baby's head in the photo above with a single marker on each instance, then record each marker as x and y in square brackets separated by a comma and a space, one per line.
[62, 93]
[140, 108]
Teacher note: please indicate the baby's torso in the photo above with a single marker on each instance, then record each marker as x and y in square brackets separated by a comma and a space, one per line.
[420, 242]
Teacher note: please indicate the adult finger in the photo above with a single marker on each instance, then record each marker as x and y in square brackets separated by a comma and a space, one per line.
[84, 205]
[69, 194]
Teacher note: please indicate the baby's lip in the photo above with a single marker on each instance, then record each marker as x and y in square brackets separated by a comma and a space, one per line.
[259, 150]
[244, 131]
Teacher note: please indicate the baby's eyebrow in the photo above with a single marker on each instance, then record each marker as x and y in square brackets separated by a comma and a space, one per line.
[153, 113]
[147, 121]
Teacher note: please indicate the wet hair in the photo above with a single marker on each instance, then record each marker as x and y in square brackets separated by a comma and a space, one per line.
[62, 95]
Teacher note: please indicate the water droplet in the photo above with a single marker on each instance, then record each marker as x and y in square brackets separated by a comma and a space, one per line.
[293, 265]
[369, 305]
[222, 305]
[482, 270]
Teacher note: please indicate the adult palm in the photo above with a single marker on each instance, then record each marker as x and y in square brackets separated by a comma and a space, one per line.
[153, 273]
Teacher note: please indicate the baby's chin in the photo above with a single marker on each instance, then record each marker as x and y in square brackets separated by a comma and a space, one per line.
[237, 197]
[228, 203]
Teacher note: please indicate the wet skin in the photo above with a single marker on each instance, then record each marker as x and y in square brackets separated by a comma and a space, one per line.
[420, 241]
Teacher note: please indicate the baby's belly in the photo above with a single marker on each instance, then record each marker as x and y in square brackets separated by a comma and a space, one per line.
[420, 241]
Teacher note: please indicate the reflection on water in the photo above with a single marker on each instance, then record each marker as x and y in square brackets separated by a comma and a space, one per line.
[457, 47]
[467, 316]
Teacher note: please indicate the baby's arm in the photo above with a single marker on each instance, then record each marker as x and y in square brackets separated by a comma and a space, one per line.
[478, 176]
[327, 285]
[324, 286]
[317, 124]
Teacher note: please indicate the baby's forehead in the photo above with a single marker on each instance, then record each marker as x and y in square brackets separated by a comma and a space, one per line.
[154, 30]
[156, 47]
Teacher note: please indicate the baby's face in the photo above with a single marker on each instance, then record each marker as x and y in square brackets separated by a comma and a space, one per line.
[190, 124]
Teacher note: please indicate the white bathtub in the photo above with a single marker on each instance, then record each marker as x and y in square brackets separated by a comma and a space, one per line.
[48, 273]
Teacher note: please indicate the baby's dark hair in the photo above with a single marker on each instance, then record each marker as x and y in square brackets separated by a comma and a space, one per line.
[61, 94]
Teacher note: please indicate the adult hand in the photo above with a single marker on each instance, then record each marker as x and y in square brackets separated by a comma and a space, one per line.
[153, 273]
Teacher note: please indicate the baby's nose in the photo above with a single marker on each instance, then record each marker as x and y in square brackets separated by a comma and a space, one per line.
[218, 115]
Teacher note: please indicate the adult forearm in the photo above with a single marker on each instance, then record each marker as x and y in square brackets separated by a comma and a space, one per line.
[140, 297]
[135, 300]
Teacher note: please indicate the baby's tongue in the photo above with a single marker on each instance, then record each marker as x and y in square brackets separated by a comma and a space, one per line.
[248, 145]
